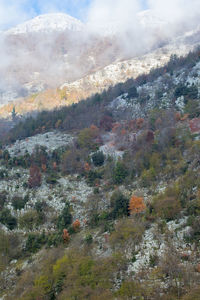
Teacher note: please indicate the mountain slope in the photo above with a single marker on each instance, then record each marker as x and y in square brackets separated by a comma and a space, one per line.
[73, 92]
[101, 200]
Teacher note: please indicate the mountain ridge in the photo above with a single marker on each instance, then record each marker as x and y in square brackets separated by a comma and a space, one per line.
[48, 23]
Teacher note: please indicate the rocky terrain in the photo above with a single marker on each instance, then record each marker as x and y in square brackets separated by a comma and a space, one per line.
[107, 204]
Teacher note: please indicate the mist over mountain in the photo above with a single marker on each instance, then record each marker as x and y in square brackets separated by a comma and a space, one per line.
[55, 49]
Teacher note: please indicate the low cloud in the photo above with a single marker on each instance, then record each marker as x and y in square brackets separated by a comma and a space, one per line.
[102, 13]
[13, 12]
[137, 32]
[176, 11]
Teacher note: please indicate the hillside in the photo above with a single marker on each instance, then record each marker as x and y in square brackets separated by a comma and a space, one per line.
[101, 199]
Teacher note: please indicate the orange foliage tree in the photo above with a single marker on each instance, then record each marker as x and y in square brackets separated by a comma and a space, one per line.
[44, 168]
[116, 127]
[123, 131]
[66, 236]
[139, 123]
[95, 130]
[87, 167]
[76, 225]
[136, 205]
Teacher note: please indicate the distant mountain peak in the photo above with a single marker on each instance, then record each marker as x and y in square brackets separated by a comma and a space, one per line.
[47, 23]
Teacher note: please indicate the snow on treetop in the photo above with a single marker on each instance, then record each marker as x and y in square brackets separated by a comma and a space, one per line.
[48, 23]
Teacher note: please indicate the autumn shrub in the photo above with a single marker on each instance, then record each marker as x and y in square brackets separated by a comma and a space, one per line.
[193, 294]
[75, 276]
[127, 232]
[86, 139]
[187, 184]
[148, 177]
[42, 287]
[88, 278]
[30, 220]
[35, 178]
[156, 162]
[106, 122]
[130, 289]
[76, 225]
[167, 205]
[136, 205]
[65, 236]
[73, 161]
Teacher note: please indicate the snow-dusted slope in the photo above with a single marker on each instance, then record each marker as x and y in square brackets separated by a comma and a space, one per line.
[48, 23]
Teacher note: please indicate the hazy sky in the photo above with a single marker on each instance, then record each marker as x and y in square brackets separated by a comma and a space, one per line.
[13, 12]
